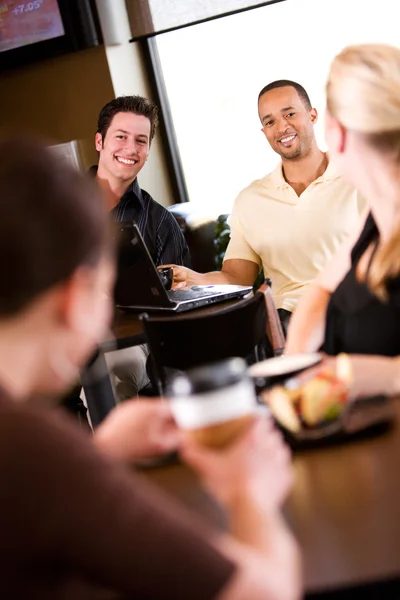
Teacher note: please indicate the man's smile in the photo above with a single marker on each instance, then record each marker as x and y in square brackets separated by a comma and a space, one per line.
[287, 140]
[126, 161]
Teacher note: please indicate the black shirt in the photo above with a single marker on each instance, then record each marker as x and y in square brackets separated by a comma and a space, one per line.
[357, 321]
[159, 228]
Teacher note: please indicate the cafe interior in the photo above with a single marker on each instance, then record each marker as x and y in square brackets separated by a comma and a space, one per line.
[227, 351]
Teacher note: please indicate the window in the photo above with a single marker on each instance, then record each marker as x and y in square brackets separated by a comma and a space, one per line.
[214, 71]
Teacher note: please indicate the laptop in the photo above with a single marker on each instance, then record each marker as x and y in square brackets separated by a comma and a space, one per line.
[139, 285]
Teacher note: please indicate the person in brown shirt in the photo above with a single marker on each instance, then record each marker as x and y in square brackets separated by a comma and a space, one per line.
[75, 522]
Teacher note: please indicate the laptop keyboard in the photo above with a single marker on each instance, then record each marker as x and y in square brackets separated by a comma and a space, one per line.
[180, 295]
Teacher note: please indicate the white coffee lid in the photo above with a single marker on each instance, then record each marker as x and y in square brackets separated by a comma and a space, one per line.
[192, 411]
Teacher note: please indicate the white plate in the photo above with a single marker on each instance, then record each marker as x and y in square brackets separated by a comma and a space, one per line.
[284, 365]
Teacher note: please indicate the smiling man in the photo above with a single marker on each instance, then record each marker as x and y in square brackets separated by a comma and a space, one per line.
[125, 129]
[293, 220]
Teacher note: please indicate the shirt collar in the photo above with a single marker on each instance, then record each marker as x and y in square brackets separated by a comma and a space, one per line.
[330, 173]
[276, 179]
[134, 188]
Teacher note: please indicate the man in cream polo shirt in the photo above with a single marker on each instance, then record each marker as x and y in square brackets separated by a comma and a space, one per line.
[294, 219]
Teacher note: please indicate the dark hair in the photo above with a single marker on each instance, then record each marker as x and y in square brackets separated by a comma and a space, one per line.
[133, 104]
[52, 220]
[287, 83]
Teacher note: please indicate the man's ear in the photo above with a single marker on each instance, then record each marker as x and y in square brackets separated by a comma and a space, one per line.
[76, 302]
[313, 115]
[98, 140]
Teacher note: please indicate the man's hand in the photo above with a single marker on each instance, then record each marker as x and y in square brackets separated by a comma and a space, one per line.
[138, 429]
[234, 272]
[183, 277]
[256, 466]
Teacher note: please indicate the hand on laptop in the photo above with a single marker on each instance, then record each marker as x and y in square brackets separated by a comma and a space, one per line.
[183, 277]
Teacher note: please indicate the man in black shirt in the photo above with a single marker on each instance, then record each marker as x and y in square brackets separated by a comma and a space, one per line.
[125, 129]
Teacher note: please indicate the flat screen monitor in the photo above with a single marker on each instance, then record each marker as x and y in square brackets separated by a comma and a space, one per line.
[40, 29]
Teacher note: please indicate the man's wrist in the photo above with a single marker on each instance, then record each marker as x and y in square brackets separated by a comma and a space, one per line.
[239, 500]
[251, 520]
[200, 278]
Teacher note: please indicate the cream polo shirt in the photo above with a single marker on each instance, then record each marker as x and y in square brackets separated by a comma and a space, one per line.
[292, 237]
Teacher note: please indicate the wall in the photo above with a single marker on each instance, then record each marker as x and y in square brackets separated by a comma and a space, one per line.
[58, 98]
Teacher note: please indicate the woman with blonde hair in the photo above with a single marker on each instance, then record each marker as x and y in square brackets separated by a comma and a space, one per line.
[354, 306]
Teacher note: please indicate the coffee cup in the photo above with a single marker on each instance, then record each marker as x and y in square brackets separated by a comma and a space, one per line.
[214, 404]
[167, 276]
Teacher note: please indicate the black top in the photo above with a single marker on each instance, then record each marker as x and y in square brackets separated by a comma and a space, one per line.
[357, 321]
[159, 228]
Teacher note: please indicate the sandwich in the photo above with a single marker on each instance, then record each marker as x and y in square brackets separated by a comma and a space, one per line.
[316, 402]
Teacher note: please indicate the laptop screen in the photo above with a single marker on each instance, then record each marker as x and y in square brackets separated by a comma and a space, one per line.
[138, 281]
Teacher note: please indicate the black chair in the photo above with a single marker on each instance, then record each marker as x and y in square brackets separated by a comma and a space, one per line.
[249, 328]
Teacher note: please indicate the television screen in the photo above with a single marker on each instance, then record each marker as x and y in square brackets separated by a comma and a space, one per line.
[42, 29]
[29, 22]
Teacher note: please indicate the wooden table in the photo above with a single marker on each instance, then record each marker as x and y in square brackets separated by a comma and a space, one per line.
[126, 329]
[344, 510]
[126, 325]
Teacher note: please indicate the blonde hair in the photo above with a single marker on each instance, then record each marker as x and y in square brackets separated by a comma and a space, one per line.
[363, 94]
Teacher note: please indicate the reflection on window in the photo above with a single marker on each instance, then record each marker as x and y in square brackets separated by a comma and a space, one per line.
[214, 72]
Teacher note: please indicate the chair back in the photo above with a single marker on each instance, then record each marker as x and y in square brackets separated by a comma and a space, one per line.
[249, 328]
[274, 331]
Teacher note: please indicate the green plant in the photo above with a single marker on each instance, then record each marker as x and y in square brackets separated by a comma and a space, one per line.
[221, 239]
